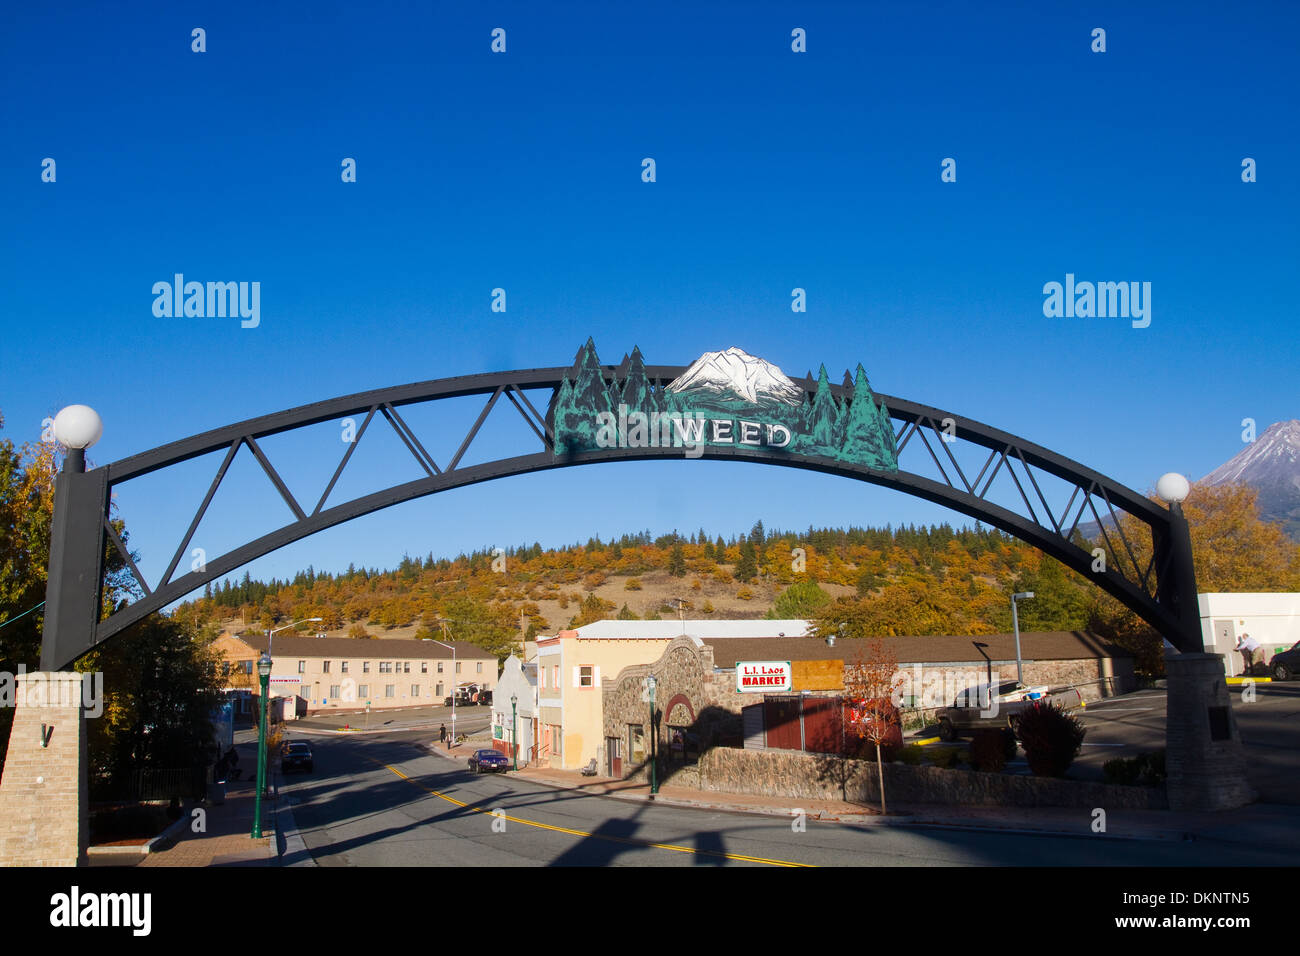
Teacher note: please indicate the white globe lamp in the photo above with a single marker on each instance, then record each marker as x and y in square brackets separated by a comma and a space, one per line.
[1173, 488]
[78, 426]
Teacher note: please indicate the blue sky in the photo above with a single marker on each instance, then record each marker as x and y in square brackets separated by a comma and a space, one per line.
[521, 170]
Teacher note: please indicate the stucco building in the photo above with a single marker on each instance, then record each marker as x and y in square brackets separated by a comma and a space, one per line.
[314, 674]
[573, 666]
[514, 710]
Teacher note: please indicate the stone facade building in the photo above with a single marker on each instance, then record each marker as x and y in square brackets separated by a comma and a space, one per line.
[699, 706]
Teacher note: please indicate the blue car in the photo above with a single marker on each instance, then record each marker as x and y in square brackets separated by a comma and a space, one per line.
[488, 761]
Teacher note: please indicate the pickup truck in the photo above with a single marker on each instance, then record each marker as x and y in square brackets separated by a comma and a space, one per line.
[978, 708]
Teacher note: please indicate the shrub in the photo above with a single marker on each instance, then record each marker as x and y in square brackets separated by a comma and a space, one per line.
[945, 757]
[633, 584]
[358, 630]
[745, 594]
[1121, 771]
[1051, 738]
[911, 754]
[988, 750]
[1147, 770]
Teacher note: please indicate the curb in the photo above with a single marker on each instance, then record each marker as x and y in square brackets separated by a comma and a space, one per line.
[149, 846]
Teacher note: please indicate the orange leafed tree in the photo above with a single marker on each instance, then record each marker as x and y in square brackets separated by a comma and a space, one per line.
[870, 685]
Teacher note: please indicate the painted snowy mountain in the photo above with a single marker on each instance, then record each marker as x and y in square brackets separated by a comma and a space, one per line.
[1271, 465]
[737, 375]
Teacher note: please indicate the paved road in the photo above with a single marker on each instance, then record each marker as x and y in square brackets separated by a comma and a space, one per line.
[1135, 723]
[384, 800]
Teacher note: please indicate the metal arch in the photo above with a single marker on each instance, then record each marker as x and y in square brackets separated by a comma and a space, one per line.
[1165, 607]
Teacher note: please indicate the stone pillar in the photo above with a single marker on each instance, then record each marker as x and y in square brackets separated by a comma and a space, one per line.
[45, 790]
[1204, 761]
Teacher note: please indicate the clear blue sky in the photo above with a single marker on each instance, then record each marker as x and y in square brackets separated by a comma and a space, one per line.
[522, 171]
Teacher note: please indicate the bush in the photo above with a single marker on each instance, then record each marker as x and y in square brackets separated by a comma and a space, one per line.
[1051, 738]
[745, 594]
[1147, 770]
[945, 757]
[633, 584]
[358, 630]
[988, 750]
[911, 754]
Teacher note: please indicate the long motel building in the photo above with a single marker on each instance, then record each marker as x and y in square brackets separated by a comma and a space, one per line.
[314, 674]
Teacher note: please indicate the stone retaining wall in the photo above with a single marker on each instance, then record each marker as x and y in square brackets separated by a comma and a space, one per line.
[816, 777]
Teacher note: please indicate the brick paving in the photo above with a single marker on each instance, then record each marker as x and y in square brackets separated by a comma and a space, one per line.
[226, 841]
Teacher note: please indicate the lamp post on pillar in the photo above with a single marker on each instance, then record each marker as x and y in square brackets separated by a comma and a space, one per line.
[1204, 760]
[76, 542]
[264, 674]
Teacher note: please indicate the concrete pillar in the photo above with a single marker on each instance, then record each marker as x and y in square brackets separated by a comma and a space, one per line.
[45, 790]
[1204, 761]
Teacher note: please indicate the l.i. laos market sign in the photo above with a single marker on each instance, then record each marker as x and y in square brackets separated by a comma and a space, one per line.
[728, 399]
[764, 677]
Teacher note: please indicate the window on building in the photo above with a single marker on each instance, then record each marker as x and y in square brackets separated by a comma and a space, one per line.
[478, 667]
[247, 666]
[586, 676]
[390, 690]
[363, 691]
[458, 663]
[415, 690]
[225, 668]
[365, 667]
[406, 667]
[636, 742]
[334, 690]
[385, 667]
[542, 671]
[302, 667]
[325, 668]
[555, 676]
[438, 690]
[439, 667]
[424, 667]
[343, 667]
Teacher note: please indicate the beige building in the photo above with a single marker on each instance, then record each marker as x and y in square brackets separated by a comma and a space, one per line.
[315, 674]
[573, 665]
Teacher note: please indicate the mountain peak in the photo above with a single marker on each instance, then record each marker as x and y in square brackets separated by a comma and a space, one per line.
[735, 374]
[1271, 465]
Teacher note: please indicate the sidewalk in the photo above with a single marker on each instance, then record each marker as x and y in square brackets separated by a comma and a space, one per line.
[226, 840]
[1270, 825]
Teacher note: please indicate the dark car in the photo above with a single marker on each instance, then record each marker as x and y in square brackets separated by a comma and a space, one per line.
[485, 698]
[296, 756]
[489, 761]
[1286, 665]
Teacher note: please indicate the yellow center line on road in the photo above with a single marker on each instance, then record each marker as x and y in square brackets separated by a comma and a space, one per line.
[584, 833]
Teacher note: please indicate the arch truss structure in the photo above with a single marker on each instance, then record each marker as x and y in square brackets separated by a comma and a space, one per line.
[727, 406]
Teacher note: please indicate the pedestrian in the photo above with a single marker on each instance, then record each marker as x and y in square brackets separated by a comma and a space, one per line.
[1248, 646]
[442, 734]
[233, 758]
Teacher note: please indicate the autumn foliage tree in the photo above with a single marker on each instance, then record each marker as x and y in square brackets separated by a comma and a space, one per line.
[870, 685]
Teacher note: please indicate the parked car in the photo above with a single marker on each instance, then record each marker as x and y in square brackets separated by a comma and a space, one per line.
[488, 761]
[485, 697]
[296, 755]
[1286, 665]
[969, 711]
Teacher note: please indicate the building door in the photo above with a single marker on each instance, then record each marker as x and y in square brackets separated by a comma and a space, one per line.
[821, 725]
[781, 720]
[613, 757]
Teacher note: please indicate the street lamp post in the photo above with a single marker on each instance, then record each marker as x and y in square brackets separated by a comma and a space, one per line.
[514, 727]
[654, 781]
[1015, 624]
[263, 672]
